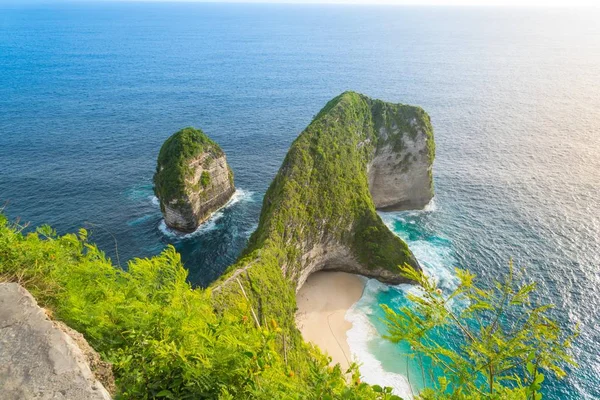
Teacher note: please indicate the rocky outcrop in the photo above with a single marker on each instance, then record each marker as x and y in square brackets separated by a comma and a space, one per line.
[192, 179]
[357, 155]
[42, 359]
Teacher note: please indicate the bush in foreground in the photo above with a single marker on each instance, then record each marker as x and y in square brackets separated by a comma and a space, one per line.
[164, 338]
[507, 343]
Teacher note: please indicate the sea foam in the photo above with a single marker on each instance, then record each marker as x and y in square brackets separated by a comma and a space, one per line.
[435, 256]
[360, 336]
[240, 195]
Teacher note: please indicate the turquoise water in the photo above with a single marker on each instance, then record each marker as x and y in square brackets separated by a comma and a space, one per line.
[89, 92]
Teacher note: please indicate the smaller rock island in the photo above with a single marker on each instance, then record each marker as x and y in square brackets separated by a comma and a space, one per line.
[192, 179]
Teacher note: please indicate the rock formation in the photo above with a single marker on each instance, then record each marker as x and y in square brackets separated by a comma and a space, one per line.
[400, 175]
[42, 359]
[357, 155]
[192, 179]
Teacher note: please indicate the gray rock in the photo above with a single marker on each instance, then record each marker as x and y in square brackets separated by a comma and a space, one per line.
[400, 172]
[199, 203]
[38, 360]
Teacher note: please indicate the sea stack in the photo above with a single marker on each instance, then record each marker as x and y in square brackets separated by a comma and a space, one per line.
[192, 179]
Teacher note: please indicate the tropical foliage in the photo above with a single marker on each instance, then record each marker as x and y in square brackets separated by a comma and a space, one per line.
[164, 338]
[507, 342]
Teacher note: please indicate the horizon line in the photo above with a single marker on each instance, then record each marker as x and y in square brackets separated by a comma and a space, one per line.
[409, 3]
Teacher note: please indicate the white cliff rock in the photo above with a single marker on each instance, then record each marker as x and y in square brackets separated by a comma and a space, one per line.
[400, 173]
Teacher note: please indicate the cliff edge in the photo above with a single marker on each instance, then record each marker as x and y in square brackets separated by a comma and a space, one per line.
[192, 179]
[42, 359]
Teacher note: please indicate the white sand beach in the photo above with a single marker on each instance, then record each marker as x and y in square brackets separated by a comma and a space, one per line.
[322, 304]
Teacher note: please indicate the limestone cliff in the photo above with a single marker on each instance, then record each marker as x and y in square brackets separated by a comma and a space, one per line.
[400, 175]
[357, 155]
[192, 179]
[42, 359]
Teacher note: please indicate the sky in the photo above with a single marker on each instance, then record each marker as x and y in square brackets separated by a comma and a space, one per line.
[526, 3]
[544, 3]
[483, 3]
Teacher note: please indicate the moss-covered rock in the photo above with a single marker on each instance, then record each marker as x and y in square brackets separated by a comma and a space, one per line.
[319, 212]
[192, 179]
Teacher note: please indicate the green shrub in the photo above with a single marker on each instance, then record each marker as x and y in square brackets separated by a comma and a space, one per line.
[164, 338]
[205, 179]
[507, 343]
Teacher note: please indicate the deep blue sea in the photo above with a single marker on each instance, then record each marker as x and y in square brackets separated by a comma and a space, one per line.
[88, 93]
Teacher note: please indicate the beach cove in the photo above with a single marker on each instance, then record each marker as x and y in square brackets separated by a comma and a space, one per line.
[323, 301]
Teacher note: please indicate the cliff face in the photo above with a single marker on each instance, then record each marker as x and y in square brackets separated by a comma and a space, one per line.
[42, 359]
[400, 175]
[357, 155]
[192, 179]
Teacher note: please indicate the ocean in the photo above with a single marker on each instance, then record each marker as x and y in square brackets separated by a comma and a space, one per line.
[89, 91]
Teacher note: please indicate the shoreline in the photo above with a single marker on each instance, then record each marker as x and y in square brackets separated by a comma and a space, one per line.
[322, 302]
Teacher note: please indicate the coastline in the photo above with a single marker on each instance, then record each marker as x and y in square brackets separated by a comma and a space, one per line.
[322, 302]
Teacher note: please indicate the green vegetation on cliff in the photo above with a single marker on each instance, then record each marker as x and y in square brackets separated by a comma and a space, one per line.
[205, 179]
[322, 190]
[164, 338]
[237, 338]
[320, 196]
[173, 162]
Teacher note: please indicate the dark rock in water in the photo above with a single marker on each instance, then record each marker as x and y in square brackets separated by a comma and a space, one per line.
[192, 179]
[42, 359]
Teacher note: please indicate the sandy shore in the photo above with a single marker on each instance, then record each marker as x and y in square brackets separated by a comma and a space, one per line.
[322, 305]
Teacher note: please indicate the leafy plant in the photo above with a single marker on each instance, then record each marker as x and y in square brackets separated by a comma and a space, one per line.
[205, 179]
[165, 339]
[507, 343]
